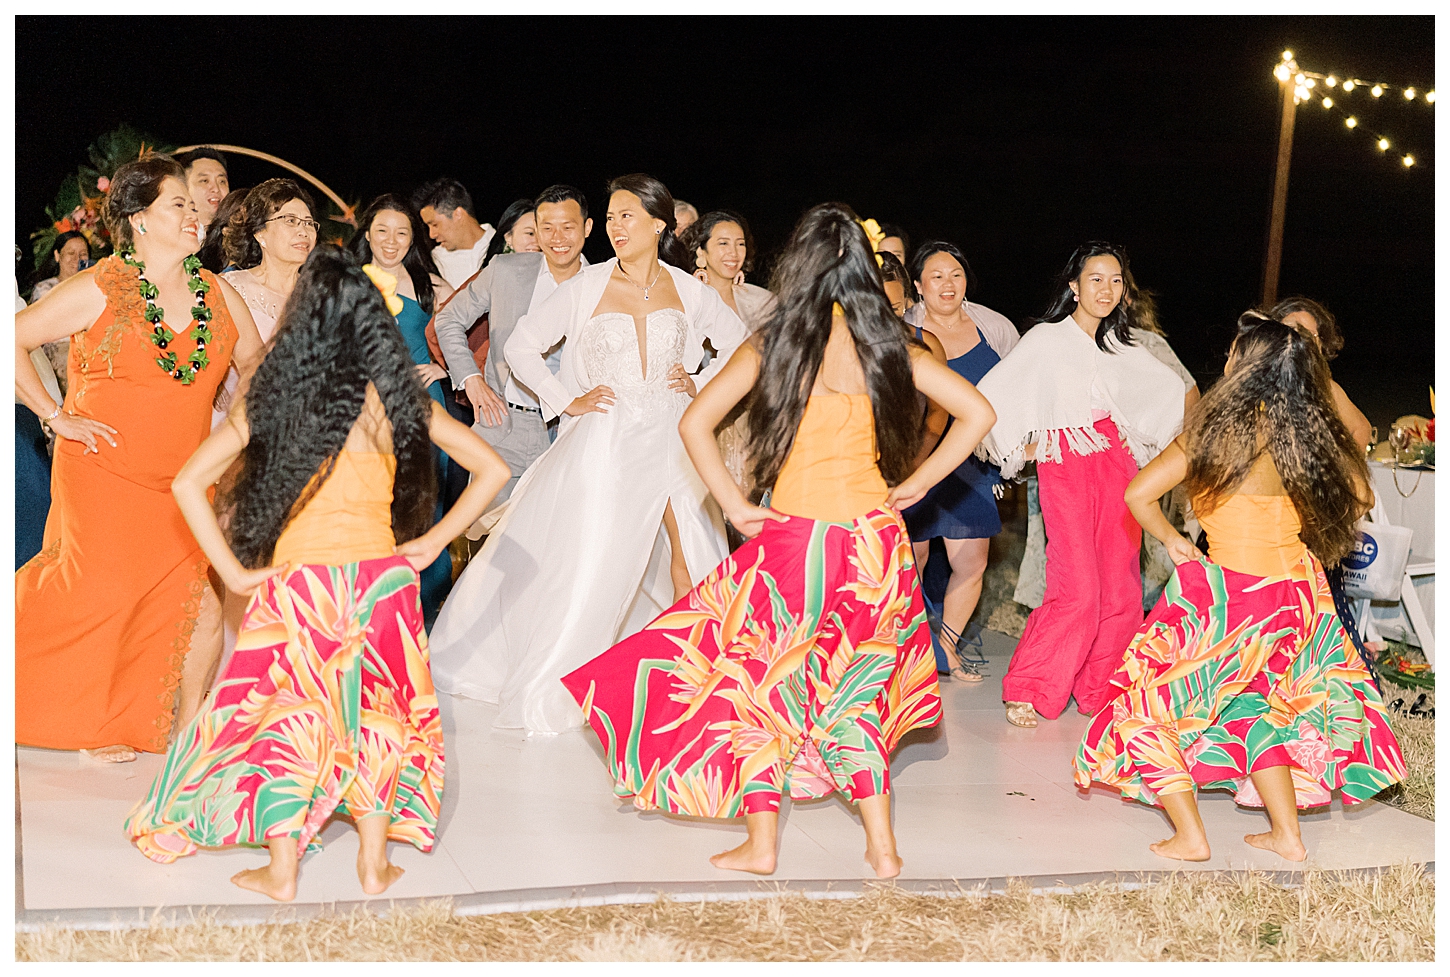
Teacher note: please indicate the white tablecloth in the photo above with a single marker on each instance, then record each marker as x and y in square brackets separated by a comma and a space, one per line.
[1408, 498]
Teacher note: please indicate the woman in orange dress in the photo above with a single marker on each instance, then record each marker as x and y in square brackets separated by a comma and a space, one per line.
[107, 612]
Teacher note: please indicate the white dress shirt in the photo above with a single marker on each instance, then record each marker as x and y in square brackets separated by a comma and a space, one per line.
[457, 267]
[514, 392]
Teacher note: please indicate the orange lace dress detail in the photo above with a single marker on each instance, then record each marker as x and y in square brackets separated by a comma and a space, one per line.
[104, 614]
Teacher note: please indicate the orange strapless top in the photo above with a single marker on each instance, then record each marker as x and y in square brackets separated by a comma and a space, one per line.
[1257, 534]
[831, 471]
[350, 518]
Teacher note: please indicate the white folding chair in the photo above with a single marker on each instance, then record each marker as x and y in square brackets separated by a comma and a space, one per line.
[1408, 599]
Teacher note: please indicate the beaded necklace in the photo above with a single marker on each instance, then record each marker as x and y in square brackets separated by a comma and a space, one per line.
[162, 336]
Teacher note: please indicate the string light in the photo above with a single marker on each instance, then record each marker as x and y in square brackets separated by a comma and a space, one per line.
[1288, 72]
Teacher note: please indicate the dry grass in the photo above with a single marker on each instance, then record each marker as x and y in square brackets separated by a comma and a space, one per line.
[1191, 916]
[1416, 734]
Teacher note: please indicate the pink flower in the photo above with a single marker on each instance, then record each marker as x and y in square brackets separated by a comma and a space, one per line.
[1310, 750]
[103, 184]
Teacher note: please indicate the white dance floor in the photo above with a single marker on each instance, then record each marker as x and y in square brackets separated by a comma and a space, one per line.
[531, 822]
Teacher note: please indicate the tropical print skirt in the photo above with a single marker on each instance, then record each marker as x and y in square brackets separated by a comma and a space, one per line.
[1233, 673]
[327, 706]
[797, 663]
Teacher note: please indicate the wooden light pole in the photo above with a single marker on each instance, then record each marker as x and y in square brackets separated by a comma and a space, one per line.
[1281, 182]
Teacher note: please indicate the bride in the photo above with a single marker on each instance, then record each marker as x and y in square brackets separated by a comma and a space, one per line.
[611, 525]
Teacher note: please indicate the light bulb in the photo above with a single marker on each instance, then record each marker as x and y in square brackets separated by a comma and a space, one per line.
[1377, 91]
[1351, 122]
[1331, 81]
[1299, 78]
[1288, 55]
[1308, 82]
[1328, 102]
[1349, 86]
[1430, 96]
[1282, 72]
[1301, 94]
[1383, 143]
[1408, 160]
[1409, 94]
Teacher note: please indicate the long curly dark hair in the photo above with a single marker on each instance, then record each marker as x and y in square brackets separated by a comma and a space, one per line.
[1277, 398]
[1119, 321]
[334, 337]
[828, 259]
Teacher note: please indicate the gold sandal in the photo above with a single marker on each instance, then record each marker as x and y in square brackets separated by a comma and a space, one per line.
[1022, 714]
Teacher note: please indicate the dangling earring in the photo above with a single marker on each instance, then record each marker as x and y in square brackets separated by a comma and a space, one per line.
[699, 261]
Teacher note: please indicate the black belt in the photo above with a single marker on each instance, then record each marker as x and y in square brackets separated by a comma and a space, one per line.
[526, 410]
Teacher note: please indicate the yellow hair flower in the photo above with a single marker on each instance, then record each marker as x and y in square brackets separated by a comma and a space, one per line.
[386, 284]
[874, 234]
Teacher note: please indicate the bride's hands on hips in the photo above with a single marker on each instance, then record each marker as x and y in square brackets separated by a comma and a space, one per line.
[600, 399]
[680, 381]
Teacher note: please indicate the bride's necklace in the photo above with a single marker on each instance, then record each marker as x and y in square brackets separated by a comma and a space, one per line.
[643, 288]
[162, 336]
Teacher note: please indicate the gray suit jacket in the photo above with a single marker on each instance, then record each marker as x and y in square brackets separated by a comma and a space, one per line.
[503, 290]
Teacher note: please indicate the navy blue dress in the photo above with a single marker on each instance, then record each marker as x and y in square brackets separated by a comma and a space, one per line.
[961, 506]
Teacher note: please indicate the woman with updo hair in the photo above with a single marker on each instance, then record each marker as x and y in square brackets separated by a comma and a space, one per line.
[213, 253]
[106, 616]
[724, 251]
[516, 231]
[611, 525]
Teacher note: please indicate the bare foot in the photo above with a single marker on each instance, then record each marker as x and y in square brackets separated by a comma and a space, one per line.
[376, 878]
[112, 754]
[746, 858]
[263, 880]
[1287, 846]
[1181, 848]
[887, 864]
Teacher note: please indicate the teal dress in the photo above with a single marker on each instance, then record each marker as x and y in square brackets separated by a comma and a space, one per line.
[437, 579]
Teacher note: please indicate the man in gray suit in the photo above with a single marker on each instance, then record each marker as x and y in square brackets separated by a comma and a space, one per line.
[506, 413]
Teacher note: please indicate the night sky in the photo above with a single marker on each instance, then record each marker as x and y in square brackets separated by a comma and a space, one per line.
[1017, 138]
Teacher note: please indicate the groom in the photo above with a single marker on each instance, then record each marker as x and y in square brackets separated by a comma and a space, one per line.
[507, 414]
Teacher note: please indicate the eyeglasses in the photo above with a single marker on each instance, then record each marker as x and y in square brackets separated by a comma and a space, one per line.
[295, 222]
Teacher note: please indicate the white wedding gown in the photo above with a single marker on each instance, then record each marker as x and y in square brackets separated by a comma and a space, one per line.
[580, 558]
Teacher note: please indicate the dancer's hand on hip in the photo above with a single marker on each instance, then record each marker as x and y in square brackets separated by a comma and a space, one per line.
[419, 552]
[488, 407]
[751, 519]
[906, 494]
[1182, 551]
[600, 399]
[244, 582]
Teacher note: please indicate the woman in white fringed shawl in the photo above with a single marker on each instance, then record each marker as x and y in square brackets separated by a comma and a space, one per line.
[1091, 407]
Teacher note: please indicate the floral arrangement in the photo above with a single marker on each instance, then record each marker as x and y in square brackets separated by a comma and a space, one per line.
[77, 205]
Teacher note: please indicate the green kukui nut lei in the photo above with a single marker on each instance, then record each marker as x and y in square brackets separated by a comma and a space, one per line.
[163, 337]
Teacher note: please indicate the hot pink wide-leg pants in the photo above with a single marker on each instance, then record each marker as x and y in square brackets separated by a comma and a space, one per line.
[1092, 606]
